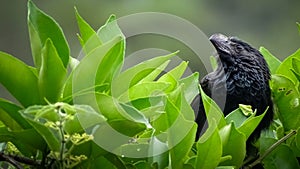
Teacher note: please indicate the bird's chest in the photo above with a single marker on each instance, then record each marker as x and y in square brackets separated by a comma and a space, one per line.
[244, 84]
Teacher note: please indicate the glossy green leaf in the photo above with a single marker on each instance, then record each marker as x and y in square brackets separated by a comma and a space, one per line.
[85, 117]
[42, 27]
[286, 98]
[176, 72]
[135, 114]
[244, 124]
[179, 133]
[179, 153]
[109, 30]
[19, 79]
[126, 127]
[212, 110]
[272, 61]
[111, 63]
[158, 154]
[185, 107]
[119, 117]
[136, 150]
[52, 73]
[50, 136]
[23, 140]
[225, 167]
[296, 67]
[38, 116]
[88, 37]
[237, 117]
[37, 112]
[285, 68]
[209, 148]
[250, 124]
[234, 144]
[84, 77]
[136, 74]
[110, 107]
[281, 157]
[144, 90]
[167, 119]
[190, 86]
[11, 117]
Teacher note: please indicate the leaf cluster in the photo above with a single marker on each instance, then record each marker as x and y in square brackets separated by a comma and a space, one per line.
[89, 113]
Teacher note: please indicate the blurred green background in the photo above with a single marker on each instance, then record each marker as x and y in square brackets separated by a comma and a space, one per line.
[267, 23]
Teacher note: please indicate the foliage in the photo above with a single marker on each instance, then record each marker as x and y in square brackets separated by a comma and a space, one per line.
[99, 116]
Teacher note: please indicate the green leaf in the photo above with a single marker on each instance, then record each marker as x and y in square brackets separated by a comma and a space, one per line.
[23, 140]
[209, 148]
[42, 27]
[38, 117]
[250, 124]
[298, 24]
[119, 117]
[136, 74]
[38, 112]
[111, 63]
[136, 150]
[52, 73]
[167, 119]
[179, 133]
[286, 66]
[50, 136]
[85, 76]
[85, 117]
[272, 61]
[237, 117]
[19, 79]
[179, 153]
[185, 107]
[234, 144]
[281, 157]
[225, 167]
[212, 110]
[286, 98]
[176, 72]
[88, 37]
[11, 117]
[244, 124]
[109, 30]
[135, 114]
[144, 90]
[190, 86]
[296, 67]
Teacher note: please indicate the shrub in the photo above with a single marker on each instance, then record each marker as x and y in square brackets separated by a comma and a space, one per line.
[90, 114]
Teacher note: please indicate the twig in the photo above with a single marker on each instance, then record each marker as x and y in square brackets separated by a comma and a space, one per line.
[16, 160]
[12, 161]
[270, 149]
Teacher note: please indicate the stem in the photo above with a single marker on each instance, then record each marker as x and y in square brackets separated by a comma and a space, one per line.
[62, 148]
[15, 160]
[270, 149]
[4, 157]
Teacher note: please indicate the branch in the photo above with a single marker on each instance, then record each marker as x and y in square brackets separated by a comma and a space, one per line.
[7, 158]
[16, 160]
[270, 149]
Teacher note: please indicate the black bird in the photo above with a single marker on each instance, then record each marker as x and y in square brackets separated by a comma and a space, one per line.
[242, 77]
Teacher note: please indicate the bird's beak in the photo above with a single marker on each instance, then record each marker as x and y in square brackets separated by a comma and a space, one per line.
[221, 43]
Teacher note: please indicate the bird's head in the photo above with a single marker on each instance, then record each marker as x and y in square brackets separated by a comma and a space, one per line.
[232, 50]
